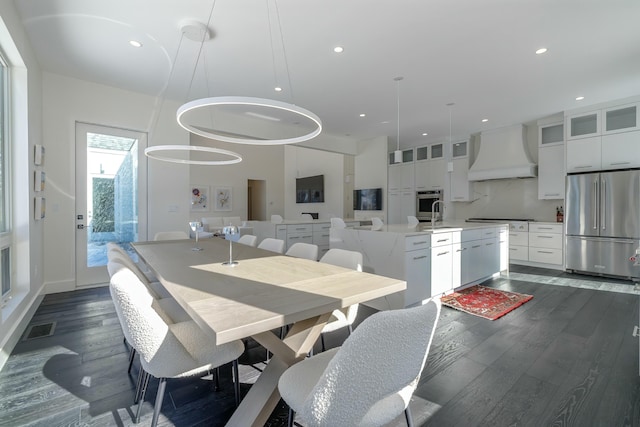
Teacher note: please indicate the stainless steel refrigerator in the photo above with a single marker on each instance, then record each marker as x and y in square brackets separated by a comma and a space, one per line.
[602, 222]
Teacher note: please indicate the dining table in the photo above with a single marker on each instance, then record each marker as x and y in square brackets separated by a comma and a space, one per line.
[254, 297]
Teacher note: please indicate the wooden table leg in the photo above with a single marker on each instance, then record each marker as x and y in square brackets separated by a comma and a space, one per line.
[257, 406]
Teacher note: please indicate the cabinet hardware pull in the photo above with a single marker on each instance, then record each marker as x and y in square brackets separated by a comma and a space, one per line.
[583, 167]
[544, 252]
[512, 249]
[459, 250]
[551, 194]
[545, 237]
[443, 253]
[545, 228]
[415, 258]
[619, 163]
[489, 244]
[476, 246]
[420, 243]
[442, 240]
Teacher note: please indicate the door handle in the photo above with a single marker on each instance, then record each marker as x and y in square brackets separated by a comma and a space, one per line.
[603, 202]
[595, 204]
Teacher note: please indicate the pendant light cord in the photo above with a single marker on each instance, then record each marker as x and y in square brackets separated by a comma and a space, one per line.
[397, 80]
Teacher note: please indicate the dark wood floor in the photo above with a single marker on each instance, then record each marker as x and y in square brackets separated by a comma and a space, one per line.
[566, 358]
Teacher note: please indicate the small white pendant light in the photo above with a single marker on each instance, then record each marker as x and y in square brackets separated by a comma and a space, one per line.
[397, 155]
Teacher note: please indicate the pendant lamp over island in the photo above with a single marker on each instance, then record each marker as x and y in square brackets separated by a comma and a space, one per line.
[397, 155]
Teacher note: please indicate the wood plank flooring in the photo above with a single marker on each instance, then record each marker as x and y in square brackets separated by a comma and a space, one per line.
[565, 358]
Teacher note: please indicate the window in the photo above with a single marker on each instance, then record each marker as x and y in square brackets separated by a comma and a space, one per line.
[5, 174]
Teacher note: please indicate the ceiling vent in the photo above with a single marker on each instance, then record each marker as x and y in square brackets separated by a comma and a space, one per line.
[503, 154]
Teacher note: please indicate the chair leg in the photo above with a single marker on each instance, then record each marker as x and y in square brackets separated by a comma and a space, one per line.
[159, 397]
[143, 391]
[141, 373]
[407, 415]
[322, 342]
[132, 355]
[216, 381]
[236, 381]
[290, 417]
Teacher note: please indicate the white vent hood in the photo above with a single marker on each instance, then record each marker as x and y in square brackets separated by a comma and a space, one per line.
[503, 154]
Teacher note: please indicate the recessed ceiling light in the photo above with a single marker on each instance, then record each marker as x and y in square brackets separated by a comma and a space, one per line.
[579, 98]
[363, 115]
[278, 89]
[135, 43]
[485, 120]
[338, 49]
[424, 134]
[384, 122]
[541, 51]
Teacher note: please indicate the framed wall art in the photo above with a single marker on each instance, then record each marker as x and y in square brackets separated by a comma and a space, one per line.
[199, 198]
[223, 198]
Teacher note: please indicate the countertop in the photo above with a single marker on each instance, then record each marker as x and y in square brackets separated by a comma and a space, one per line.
[426, 228]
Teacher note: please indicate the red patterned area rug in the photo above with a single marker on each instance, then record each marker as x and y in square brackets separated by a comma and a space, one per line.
[485, 302]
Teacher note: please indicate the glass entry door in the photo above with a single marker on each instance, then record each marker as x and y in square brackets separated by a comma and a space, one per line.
[110, 196]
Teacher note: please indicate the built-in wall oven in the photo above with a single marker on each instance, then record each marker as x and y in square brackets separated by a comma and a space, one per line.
[425, 207]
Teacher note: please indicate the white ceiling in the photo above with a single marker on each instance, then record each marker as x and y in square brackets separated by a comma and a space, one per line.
[478, 54]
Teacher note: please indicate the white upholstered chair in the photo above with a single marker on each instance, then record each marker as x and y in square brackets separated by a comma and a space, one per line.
[306, 217]
[345, 317]
[336, 388]
[277, 219]
[412, 221]
[170, 235]
[376, 223]
[338, 223]
[273, 245]
[248, 239]
[303, 250]
[167, 350]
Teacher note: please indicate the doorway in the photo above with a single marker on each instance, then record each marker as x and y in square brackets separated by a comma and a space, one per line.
[256, 200]
[110, 196]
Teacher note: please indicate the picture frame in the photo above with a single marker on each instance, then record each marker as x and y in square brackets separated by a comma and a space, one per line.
[199, 198]
[39, 180]
[40, 208]
[38, 155]
[223, 198]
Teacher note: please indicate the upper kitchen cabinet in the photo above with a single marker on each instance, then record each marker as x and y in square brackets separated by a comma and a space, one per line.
[624, 118]
[583, 125]
[584, 155]
[401, 175]
[551, 165]
[430, 167]
[461, 187]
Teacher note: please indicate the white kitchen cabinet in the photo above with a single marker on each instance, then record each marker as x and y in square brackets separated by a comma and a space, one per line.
[503, 245]
[583, 125]
[546, 241]
[430, 169]
[422, 178]
[551, 134]
[401, 177]
[518, 244]
[400, 204]
[417, 265]
[321, 237]
[551, 175]
[622, 118]
[584, 155]
[441, 269]
[621, 150]
[461, 187]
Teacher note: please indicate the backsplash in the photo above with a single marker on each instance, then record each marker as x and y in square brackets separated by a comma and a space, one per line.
[506, 198]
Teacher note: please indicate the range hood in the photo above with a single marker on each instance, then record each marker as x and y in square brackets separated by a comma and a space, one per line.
[503, 154]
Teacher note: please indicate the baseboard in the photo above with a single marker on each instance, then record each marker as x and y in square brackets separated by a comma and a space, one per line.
[13, 337]
[61, 286]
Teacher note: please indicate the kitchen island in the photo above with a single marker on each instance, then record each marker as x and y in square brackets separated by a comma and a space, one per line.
[432, 260]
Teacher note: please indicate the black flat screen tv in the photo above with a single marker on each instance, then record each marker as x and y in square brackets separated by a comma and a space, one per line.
[310, 189]
[367, 200]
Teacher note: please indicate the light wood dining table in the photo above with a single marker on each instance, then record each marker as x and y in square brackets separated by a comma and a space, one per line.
[261, 293]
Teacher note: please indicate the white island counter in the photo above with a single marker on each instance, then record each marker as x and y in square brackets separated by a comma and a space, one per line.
[432, 260]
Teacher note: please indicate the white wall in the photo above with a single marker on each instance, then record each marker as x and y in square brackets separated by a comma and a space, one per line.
[67, 100]
[258, 162]
[25, 103]
[371, 172]
[300, 162]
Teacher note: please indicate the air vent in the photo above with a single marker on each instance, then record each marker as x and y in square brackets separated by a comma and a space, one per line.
[39, 331]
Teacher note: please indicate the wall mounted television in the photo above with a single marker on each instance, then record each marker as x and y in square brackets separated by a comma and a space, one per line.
[310, 189]
[367, 200]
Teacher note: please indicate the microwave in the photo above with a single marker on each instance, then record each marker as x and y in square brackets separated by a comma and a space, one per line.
[425, 207]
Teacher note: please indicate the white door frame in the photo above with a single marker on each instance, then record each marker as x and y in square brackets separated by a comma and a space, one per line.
[89, 276]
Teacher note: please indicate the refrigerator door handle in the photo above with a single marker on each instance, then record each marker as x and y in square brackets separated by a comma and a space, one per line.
[595, 204]
[603, 203]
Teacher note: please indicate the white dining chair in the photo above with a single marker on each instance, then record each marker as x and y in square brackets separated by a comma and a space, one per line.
[116, 252]
[303, 250]
[248, 239]
[167, 350]
[340, 388]
[376, 223]
[307, 217]
[344, 317]
[170, 235]
[277, 219]
[412, 221]
[273, 245]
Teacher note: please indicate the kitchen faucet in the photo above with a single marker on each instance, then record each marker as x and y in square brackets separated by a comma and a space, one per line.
[433, 211]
